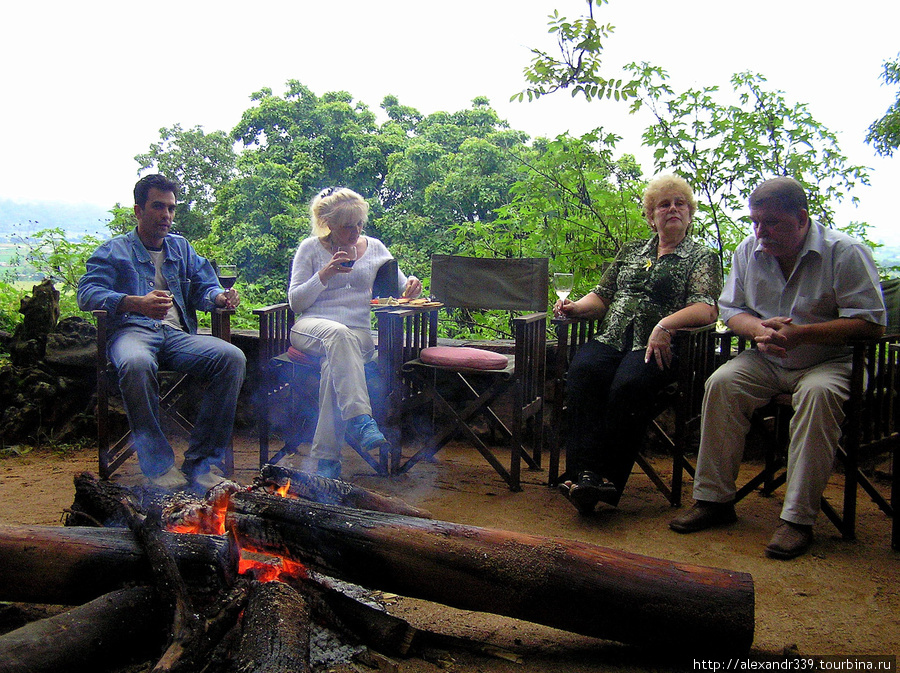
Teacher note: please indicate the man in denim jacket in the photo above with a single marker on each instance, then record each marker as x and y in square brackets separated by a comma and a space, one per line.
[151, 282]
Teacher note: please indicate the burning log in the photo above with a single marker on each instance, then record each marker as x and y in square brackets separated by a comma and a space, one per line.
[560, 583]
[109, 631]
[275, 635]
[68, 566]
[336, 492]
[193, 635]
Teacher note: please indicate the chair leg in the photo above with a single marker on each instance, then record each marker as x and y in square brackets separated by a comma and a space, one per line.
[459, 423]
[648, 469]
[895, 500]
[103, 426]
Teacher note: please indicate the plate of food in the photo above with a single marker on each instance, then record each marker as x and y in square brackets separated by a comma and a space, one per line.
[379, 303]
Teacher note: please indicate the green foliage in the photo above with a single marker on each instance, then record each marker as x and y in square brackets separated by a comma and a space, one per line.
[10, 295]
[578, 64]
[123, 220]
[884, 133]
[573, 202]
[725, 145]
[57, 258]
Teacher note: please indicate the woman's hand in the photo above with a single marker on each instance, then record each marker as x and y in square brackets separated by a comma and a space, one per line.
[334, 267]
[564, 308]
[659, 347]
[413, 288]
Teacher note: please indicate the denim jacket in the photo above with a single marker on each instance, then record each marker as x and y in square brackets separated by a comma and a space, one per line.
[122, 266]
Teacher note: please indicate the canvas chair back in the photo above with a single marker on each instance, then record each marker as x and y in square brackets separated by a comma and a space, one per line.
[498, 284]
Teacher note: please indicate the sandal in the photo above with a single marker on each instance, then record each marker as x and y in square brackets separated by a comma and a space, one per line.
[588, 491]
[585, 493]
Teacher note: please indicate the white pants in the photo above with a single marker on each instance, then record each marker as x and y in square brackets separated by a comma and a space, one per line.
[342, 389]
[746, 383]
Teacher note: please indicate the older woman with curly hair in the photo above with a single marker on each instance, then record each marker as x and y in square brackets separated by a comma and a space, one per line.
[652, 289]
[330, 291]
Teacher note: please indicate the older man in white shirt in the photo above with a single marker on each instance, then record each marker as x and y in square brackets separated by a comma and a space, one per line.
[801, 292]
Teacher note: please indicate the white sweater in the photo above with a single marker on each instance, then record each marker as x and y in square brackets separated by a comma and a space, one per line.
[350, 306]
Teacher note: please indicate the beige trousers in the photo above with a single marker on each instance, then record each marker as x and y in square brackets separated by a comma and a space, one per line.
[748, 382]
[342, 388]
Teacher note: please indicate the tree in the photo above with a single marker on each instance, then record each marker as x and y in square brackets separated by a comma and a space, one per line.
[725, 149]
[200, 162]
[578, 64]
[722, 148]
[884, 134]
[573, 202]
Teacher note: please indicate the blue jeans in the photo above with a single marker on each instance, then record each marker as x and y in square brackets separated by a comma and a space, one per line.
[138, 353]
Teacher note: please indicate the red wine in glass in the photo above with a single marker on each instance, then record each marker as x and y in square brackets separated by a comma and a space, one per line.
[227, 275]
[351, 253]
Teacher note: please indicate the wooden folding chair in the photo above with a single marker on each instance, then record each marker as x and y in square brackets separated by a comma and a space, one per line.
[469, 283]
[684, 397]
[870, 429]
[111, 456]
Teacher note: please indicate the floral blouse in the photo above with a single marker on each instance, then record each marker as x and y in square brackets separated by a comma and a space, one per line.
[642, 290]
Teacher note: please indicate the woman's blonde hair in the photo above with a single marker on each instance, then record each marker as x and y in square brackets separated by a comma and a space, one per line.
[336, 204]
[664, 184]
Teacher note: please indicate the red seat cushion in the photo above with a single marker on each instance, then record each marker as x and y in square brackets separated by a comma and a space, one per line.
[301, 358]
[463, 356]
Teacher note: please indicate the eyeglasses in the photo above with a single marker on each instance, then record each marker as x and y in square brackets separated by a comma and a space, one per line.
[666, 204]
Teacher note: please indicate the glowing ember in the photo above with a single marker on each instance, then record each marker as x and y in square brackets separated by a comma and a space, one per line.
[270, 568]
[195, 517]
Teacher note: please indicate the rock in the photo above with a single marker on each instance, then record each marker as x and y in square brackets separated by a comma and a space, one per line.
[41, 311]
[73, 344]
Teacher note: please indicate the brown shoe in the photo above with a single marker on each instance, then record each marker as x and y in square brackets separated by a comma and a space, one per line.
[704, 515]
[789, 541]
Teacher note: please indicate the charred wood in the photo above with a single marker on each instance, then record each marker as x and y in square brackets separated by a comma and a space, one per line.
[276, 631]
[336, 492]
[193, 637]
[560, 583]
[120, 627]
[68, 566]
[357, 621]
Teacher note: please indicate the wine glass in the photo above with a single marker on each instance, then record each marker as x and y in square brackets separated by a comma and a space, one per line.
[227, 274]
[562, 284]
[351, 254]
[351, 258]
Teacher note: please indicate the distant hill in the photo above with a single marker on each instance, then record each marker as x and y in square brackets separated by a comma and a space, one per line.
[22, 218]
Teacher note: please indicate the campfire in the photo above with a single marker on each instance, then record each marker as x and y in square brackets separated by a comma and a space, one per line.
[276, 575]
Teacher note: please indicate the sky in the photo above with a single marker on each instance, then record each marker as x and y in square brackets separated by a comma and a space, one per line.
[87, 86]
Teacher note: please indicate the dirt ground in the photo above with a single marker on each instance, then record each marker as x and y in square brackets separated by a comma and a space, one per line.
[842, 598]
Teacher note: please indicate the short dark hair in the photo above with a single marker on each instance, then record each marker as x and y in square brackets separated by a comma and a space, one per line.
[156, 180]
[784, 193]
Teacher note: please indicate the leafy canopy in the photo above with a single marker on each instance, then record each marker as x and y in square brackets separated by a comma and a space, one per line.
[884, 133]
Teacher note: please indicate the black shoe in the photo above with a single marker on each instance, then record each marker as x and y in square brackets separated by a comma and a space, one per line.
[589, 490]
[704, 515]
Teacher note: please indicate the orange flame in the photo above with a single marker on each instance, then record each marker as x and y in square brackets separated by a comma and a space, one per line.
[209, 519]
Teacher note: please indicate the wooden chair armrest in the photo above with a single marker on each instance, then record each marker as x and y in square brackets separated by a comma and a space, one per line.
[531, 317]
[274, 308]
[568, 320]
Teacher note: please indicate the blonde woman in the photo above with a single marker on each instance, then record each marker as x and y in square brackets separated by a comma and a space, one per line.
[652, 289]
[330, 290]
